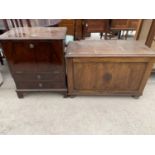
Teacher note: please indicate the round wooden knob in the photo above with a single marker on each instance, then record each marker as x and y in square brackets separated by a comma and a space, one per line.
[107, 76]
[40, 85]
[38, 76]
[31, 45]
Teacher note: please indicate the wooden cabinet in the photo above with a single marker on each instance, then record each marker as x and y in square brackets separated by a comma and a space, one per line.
[36, 59]
[108, 67]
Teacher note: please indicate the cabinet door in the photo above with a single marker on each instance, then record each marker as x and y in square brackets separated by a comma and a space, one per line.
[49, 55]
[23, 58]
[108, 76]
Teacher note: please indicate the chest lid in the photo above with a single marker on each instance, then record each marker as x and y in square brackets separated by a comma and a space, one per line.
[108, 48]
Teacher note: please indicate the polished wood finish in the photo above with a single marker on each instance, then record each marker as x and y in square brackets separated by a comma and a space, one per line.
[34, 33]
[36, 58]
[12, 23]
[108, 67]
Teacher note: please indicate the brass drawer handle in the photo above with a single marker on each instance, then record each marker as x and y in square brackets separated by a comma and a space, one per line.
[40, 85]
[31, 45]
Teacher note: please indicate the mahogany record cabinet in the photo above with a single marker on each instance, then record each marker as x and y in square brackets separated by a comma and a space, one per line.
[36, 58]
[108, 67]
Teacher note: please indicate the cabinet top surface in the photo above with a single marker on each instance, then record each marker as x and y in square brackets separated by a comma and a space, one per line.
[108, 48]
[36, 33]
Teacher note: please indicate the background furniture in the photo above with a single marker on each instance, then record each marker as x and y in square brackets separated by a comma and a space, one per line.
[150, 41]
[1, 56]
[36, 58]
[97, 67]
[151, 34]
[109, 26]
[95, 25]
[1, 60]
[70, 24]
[78, 29]
[118, 25]
[2, 30]
[13, 23]
[1, 52]
[45, 22]
[74, 27]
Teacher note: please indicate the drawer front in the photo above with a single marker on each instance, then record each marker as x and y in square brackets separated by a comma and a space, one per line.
[40, 85]
[53, 76]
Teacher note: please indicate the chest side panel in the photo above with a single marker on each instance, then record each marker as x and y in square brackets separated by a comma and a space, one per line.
[108, 76]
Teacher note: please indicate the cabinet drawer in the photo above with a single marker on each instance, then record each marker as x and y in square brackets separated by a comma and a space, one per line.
[40, 85]
[53, 76]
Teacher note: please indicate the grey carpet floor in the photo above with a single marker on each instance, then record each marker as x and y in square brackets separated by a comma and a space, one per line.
[49, 113]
